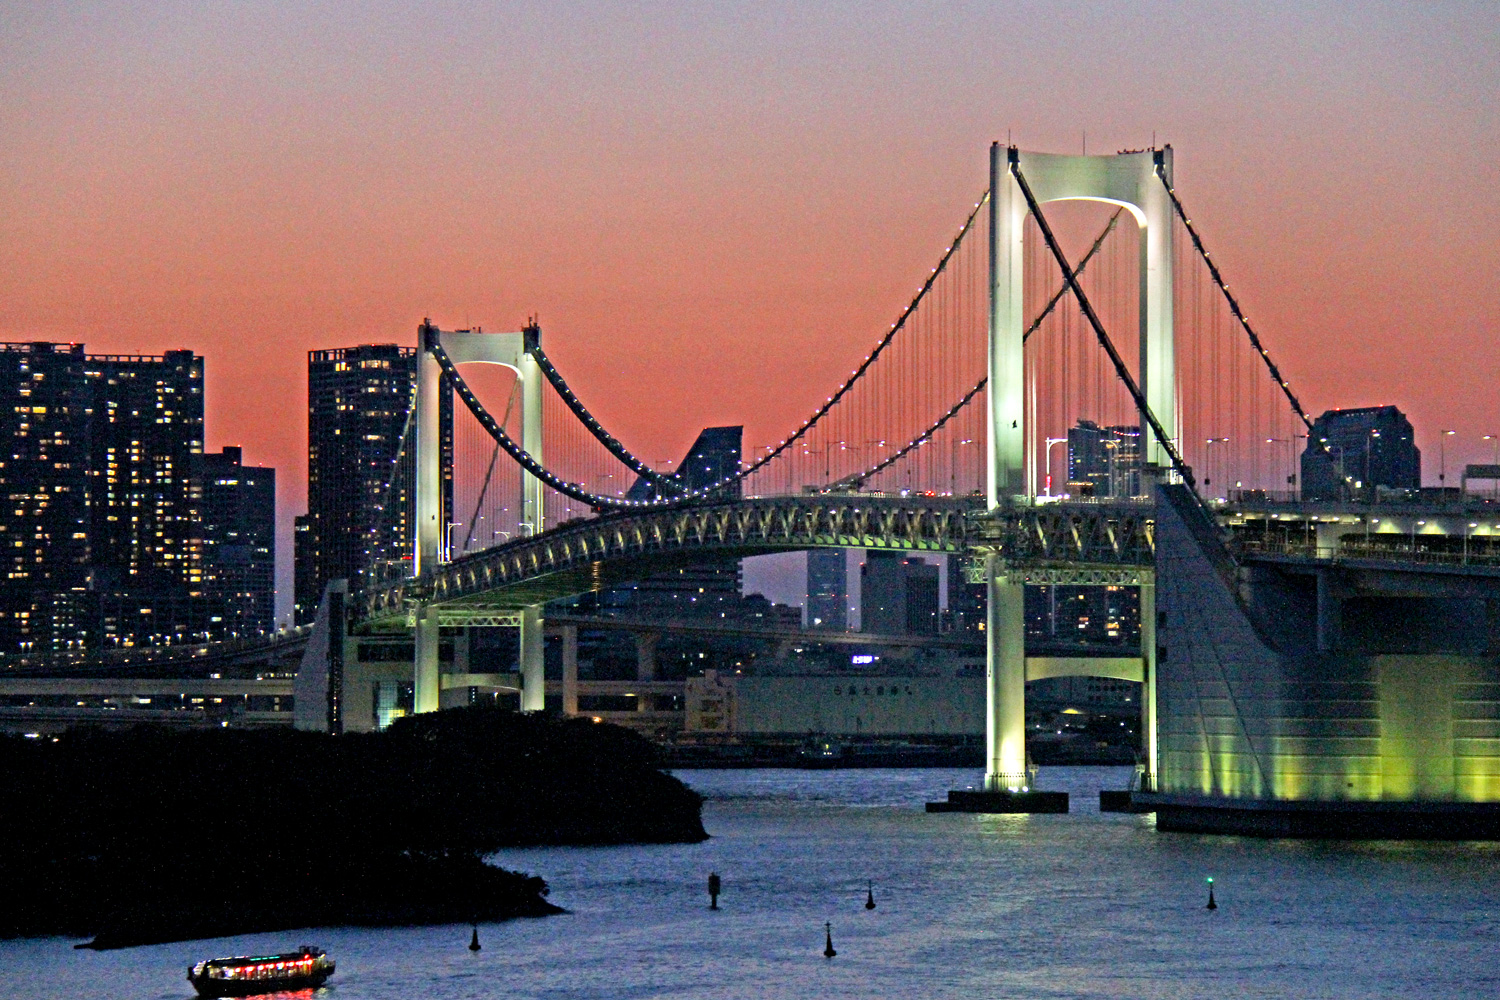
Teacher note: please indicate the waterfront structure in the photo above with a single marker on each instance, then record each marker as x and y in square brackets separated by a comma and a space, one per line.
[237, 517]
[359, 479]
[1360, 452]
[828, 589]
[1105, 460]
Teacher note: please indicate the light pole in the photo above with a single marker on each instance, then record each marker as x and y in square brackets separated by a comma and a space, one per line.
[1050, 443]
[1494, 460]
[1208, 457]
[1443, 456]
[448, 540]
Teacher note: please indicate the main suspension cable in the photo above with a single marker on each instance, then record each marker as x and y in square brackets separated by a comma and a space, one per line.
[859, 478]
[604, 437]
[1084, 306]
[1244, 321]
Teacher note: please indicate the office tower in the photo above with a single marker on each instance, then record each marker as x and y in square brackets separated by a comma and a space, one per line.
[360, 453]
[827, 589]
[1368, 449]
[237, 511]
[1106, 460]
[44, 479]
[145, 550]
[897, 596]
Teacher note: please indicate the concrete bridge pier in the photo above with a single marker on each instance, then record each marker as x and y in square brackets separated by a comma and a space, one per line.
[426, 691]
[570, 669]
[1148, 683]
[533, 660]
[1005, 683]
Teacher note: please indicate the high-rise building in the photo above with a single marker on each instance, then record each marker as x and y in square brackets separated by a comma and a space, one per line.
[237, 511]
[146, 553]
[118, 531]
[360, 452]
[44, 478]
[1106, 459]
[1367, 449]
[827, 589]
[897, 596]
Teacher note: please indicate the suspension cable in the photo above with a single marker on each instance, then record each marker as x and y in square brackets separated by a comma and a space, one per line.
[885, 342]
[1244, 321]
[611, 444]
[515, 451]
[1084, 306]
[859, 478]
[1234, 305]
[489, 472]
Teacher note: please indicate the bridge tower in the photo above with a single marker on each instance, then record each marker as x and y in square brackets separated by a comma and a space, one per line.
[513, 350]
[1128, 180]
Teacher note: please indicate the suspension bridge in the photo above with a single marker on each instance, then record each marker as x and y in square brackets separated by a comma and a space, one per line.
[1107, 316]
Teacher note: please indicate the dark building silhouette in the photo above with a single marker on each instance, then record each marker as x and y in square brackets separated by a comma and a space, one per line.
[967, 602]
[44, 424]
[1107, 459]
[710, 588]
[237, 510]
[897, 596]
[359, 471]
[828, 589]
[1368, 449]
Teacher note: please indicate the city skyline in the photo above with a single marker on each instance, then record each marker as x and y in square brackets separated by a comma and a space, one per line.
[694, 201]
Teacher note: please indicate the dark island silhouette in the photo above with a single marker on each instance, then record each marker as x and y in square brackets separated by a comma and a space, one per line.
[153, 835]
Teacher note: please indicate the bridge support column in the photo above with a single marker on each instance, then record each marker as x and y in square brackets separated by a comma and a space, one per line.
[425, 689]
[1148, 685]
[1005, 683]
[533, 493]
[1330, 611]
[533, 657]
[570, 669]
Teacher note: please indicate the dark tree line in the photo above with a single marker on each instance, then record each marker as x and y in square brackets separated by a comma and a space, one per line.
[156, 834]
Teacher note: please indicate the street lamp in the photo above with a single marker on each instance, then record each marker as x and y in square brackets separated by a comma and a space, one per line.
[1443, 455]
[1494, 460]
[1050, 443]
[1208, 457]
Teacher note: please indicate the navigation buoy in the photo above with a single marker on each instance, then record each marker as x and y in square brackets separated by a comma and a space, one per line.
[714, 884]
[1211, 904]
[474, 941]
[828, 951]
[870, 895]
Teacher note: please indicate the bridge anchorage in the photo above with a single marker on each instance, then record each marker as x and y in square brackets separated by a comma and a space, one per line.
[941, 441]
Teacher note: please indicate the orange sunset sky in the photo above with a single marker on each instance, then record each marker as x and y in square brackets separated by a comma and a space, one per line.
[715, 209]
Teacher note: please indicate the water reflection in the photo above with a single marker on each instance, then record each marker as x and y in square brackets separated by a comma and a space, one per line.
[1082, 905]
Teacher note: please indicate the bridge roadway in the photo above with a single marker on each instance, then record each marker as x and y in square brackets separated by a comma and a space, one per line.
[1075, 542]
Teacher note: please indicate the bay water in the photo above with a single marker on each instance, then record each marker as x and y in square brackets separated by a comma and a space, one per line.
[1085, 905]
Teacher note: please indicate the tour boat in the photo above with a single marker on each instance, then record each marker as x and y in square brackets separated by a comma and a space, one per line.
[248, 975]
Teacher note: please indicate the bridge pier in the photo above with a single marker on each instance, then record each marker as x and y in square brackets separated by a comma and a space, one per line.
[533, 660]
[1148, 683]
[1005, 683]
[426, 691]
[570, 670]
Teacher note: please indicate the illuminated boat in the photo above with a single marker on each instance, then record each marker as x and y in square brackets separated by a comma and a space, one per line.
[248, 975]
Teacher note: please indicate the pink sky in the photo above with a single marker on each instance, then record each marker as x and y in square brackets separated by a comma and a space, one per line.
[701, 201]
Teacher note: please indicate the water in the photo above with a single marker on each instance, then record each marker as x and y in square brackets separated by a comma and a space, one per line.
[1083, 905]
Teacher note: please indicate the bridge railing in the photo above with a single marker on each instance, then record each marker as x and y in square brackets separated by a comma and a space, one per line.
[1402, 552]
